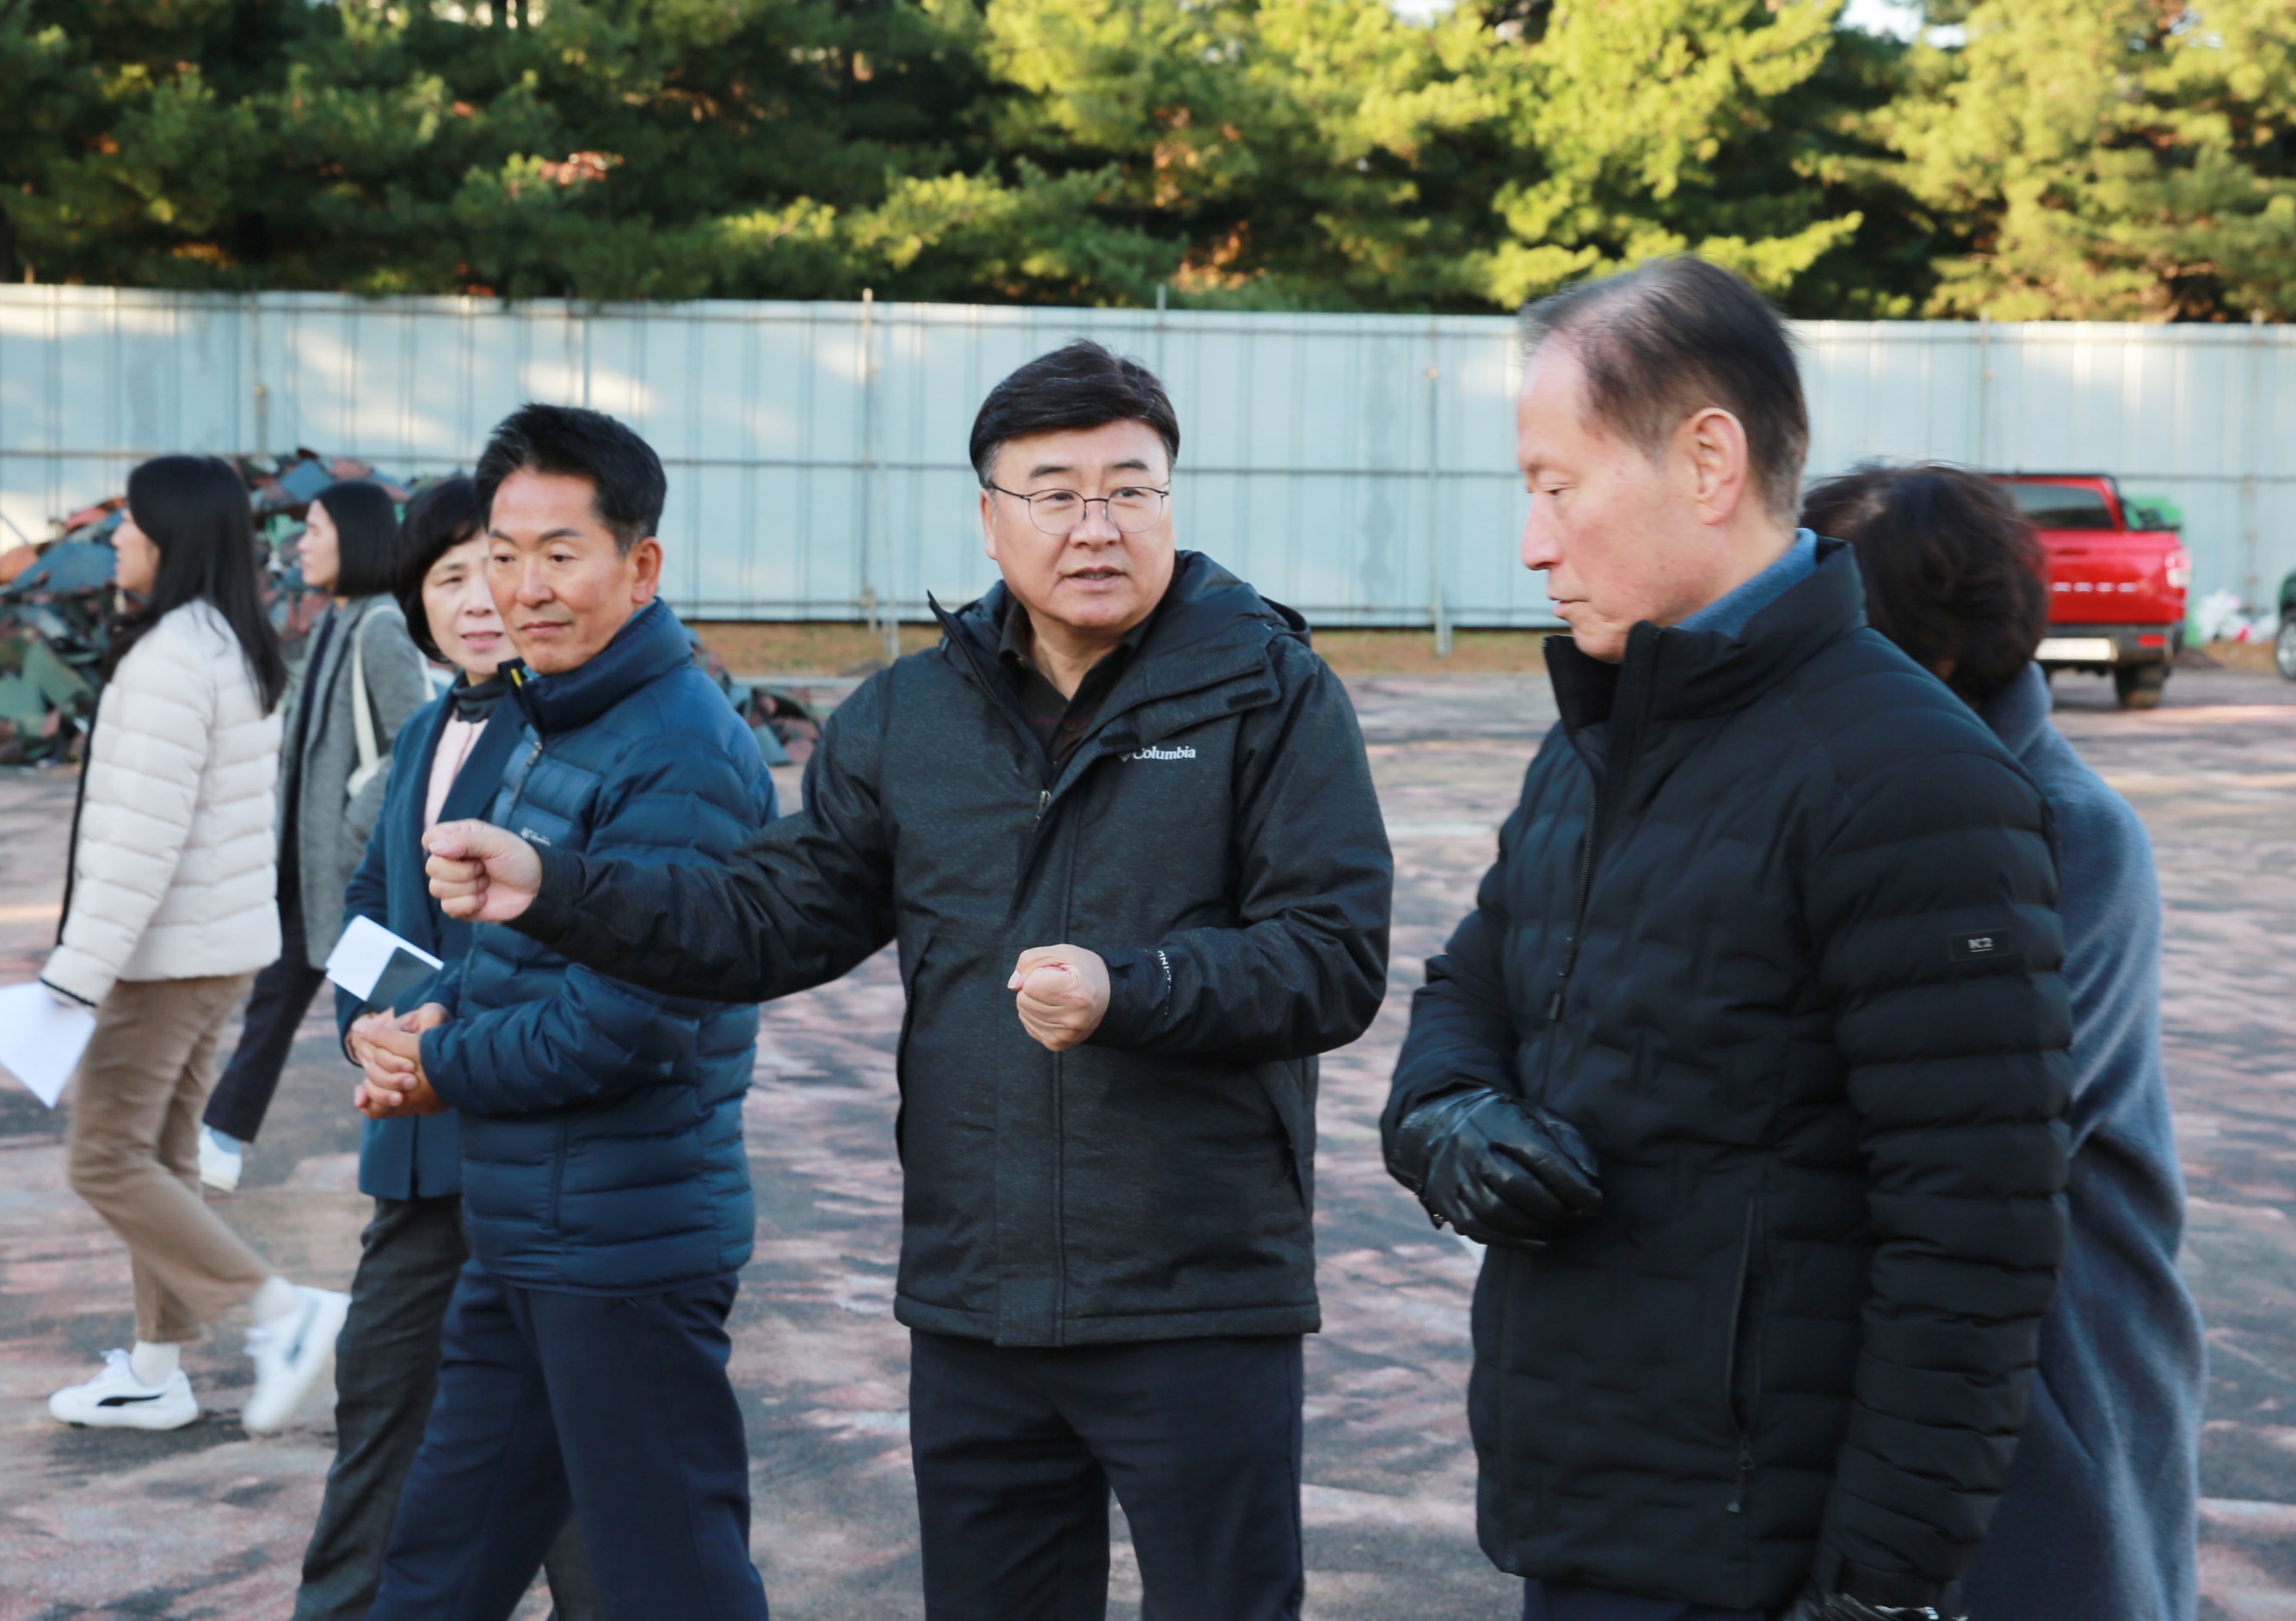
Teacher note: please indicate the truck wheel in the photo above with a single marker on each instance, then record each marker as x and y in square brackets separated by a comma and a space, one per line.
[2284, 648]
[2138, 685]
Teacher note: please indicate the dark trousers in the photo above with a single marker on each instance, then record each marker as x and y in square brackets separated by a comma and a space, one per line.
[615, 1407]
[1018, 1448]
[1563, 1602]
[276, 1007]
[386, 1373]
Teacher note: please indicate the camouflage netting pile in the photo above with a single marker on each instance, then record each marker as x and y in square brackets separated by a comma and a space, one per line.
[56, 601]
[57, 605]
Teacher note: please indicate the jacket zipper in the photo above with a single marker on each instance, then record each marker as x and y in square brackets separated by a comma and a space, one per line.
[1743, 1421]
[526, 773]
[999, 694]
[1635, 682]
[1579, 916]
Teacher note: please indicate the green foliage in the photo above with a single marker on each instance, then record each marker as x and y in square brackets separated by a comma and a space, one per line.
[2111, 159]
[2075, 157]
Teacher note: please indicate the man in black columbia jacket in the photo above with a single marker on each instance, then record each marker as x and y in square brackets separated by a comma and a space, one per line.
[1749, 1064]
[1123, 788]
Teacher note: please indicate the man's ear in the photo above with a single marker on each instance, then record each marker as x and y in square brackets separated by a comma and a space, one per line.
[988, 522]
[1715, 440]
[645, 559]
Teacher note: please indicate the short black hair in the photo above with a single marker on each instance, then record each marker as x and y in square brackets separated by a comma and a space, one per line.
[440, 517]
[1079, 385]
[366, 530]
[1953, 570]
[627, 484]
[1672, 337]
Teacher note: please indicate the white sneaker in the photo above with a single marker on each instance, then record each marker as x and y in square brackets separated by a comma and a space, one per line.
[220, 1160]
[117, 1399]
[293, 1352]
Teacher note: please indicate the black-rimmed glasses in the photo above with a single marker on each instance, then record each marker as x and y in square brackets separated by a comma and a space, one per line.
[1131, 509]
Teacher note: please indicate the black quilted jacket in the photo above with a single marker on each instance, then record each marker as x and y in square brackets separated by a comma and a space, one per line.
[1215, 836]
[1774, 925]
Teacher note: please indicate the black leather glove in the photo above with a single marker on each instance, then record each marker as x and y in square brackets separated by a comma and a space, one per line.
[1498, 1169]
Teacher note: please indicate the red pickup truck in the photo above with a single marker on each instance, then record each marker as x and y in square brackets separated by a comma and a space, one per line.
[2117, 581]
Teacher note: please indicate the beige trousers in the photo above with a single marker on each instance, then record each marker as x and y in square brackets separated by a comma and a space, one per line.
[133, 1149]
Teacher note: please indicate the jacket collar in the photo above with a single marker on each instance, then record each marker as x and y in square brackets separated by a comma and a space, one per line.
[653, 644]
[1208, 628]
[1688, 674]
[2019, 713]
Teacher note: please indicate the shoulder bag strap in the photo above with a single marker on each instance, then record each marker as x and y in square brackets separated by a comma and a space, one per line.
[362, 715]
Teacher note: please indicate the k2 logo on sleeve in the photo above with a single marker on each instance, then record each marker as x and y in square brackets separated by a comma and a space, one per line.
[1988, 945]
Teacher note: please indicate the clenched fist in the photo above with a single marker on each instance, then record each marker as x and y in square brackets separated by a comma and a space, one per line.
[1063, 995]
[480, 873]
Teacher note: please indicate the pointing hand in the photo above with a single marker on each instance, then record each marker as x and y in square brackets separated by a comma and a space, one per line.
[480, 873]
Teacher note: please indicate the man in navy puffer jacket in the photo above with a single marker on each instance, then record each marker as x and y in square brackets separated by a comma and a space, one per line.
[604, 1178]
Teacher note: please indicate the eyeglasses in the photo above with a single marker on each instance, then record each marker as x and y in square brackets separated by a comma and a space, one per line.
[1056, 512]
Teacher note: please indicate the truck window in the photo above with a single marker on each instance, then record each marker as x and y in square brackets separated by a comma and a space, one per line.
[2062, 505]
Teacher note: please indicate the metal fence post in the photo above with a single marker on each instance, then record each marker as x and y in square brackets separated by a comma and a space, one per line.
[1438, 613]
[867, 338]
[1984, 389]
[2250, 454]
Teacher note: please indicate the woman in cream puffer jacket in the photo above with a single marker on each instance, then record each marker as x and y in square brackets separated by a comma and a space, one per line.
[173, 872]
[168, 910]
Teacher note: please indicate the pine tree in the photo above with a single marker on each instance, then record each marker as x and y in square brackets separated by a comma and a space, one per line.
[2111, 159]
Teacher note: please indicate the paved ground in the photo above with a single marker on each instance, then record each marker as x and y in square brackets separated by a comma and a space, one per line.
[208, 1523]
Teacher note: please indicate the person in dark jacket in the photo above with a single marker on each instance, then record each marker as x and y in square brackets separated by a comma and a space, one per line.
[447, 761]
[2099, 1514]
[605, 1179]
[361, 680]
[1122, 826]
[1749, 1065]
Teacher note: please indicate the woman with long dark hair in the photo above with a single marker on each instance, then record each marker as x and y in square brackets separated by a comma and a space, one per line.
[2097, 1519]
[168, 912]
[362, 680]
[446, 763]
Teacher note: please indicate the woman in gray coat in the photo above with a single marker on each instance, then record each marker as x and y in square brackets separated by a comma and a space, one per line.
[361, 680]
[2098, 1518]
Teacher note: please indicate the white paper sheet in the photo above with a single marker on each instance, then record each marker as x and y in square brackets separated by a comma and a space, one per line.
[41, 1040]
[364, 952]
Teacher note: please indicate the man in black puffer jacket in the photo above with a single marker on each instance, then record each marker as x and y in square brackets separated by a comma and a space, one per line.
[1124, 788]
[1750, 1063]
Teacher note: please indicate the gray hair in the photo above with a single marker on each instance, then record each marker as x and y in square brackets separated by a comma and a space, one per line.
[1674, 336]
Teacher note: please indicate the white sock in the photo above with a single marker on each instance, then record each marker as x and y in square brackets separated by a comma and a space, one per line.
[226, 1141]
[275, 1298]
[155, 1365]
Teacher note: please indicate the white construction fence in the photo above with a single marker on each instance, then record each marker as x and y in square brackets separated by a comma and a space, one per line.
[1358, 468]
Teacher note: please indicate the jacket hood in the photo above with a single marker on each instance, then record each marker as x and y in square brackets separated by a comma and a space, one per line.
[653, 644]
[1694, 673]
[1210, 626]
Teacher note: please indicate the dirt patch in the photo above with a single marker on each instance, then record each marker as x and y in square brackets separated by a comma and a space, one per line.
[784, 649]
[825, 649]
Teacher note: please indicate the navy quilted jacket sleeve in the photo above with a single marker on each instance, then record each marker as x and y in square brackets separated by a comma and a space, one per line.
[808, 898]
[1954, 1029]
[597, 1036]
